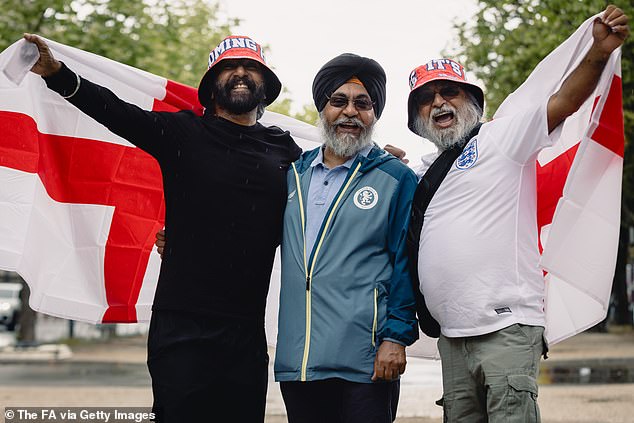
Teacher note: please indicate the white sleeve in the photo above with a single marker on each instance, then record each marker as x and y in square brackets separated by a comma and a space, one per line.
[522, 135]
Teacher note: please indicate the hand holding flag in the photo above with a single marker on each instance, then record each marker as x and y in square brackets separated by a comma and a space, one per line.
[46, 64]
[610, 30]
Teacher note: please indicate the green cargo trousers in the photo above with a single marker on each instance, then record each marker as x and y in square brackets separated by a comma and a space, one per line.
[492, 378]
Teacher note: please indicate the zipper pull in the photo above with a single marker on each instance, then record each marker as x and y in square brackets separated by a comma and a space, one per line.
[307, 283]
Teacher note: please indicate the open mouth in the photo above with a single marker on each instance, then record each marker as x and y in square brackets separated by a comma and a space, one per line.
[444, 119]
[348, 127]
[240, 86]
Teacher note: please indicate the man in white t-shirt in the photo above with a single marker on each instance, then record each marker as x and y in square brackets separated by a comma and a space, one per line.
[478, 251]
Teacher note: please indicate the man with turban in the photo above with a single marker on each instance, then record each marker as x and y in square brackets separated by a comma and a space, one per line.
[346, 301]
[207, 351]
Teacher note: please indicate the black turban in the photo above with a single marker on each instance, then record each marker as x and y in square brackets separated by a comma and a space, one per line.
[336, 72]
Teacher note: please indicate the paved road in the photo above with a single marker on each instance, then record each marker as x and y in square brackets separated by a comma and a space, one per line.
[111, 375]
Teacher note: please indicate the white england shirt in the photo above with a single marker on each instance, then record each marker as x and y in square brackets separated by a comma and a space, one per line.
[478, 257]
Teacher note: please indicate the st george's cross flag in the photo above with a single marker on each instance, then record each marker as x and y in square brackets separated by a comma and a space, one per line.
[578, 190]
[79, 206]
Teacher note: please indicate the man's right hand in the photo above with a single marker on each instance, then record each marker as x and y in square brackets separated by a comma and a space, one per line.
[397, 152]
[160, 241]
[46, 65]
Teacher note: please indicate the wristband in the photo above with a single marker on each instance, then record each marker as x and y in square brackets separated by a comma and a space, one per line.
[76, 88]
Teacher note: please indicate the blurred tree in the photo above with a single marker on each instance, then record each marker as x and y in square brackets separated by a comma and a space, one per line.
[308, 114]
[283, 105]
[504, 42]
[168, 38]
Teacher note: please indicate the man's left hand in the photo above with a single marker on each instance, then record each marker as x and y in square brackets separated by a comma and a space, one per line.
[610, 30]
[390, 361]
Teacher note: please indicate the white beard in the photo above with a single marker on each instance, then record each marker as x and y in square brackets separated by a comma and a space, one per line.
[466, 118]
[346, 145]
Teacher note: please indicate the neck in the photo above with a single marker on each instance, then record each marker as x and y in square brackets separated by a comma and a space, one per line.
[331, 160]
[245, 119]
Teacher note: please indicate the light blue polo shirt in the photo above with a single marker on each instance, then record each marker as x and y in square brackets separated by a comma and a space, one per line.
[324, 186]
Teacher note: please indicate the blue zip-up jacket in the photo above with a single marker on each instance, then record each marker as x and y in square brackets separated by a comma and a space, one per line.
[340, 301]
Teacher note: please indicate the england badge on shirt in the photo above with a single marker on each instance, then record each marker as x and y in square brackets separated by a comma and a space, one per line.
[469, 155]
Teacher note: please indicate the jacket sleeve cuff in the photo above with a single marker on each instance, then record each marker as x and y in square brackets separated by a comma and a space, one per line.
[65, 82]
[396, 341]
[404, 333]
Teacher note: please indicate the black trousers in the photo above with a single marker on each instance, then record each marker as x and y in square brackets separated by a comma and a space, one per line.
[207, 369]
[340, 401]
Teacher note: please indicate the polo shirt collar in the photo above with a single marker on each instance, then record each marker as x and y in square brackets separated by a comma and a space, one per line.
[319, 160]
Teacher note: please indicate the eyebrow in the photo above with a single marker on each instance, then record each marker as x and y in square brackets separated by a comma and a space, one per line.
[342, 95]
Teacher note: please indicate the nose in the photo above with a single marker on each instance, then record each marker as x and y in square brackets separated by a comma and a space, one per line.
[438, 100]
[240, 70]
[350, 110]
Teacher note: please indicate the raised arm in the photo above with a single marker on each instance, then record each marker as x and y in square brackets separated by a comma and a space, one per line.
[609, 32]
[147, 130]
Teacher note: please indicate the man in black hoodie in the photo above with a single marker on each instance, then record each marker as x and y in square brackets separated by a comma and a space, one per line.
[207, 351]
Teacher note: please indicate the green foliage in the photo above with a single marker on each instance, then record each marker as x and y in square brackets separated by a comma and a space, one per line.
[308, 114]
[283, 105]
[169, 38]
[506, 40]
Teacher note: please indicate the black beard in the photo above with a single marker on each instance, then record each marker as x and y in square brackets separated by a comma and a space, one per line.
[238, 103]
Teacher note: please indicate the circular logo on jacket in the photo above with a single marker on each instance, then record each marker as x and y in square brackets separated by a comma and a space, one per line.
[469, 155]
[366, 198]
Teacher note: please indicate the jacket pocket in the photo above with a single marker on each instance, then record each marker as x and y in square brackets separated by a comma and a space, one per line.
[379, 303]
[376, 316]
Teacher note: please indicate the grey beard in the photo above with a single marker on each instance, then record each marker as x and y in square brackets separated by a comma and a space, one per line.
[467, 117]
[346, 145]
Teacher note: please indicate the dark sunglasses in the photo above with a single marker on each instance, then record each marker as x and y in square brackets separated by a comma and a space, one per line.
[231, 64]
[362, 104]
[426, 96]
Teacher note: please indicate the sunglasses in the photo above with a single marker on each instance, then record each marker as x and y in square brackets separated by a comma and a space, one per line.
[426, 96]
[362, 104]
[232, 64]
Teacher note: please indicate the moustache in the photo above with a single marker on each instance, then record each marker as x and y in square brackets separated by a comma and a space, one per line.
[241, 80]
[350, 121]
[445, 108]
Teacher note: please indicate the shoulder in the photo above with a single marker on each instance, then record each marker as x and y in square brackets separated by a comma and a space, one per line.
[282, 137]
[527, 117]
[182, 115]
[396, 169]
[276, 130]
[306, 159]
